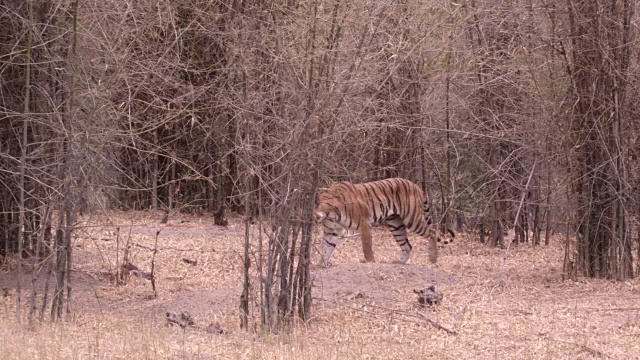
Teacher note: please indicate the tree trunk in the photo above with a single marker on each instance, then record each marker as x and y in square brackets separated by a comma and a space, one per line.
[547, 212]
[494, 215]
[244, 299]
[23, 160]
[155, 172]
[536, 217]
[596, 125]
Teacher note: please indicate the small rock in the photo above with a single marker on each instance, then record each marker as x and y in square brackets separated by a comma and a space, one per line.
[182, 319]
[215, 328]
[357, 295]
[429, 296]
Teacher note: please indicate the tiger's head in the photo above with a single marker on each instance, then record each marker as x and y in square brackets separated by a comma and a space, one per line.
[328, 207]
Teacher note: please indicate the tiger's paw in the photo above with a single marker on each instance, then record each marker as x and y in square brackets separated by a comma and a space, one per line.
[364, 261]
[399, 262]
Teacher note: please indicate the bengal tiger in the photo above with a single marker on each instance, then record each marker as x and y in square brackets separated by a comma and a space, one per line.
[397, 203]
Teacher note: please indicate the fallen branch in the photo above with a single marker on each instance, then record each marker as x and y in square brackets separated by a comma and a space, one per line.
[167, 248]
[142, 246]
[584, 347]
[395, 313]
[437, 325]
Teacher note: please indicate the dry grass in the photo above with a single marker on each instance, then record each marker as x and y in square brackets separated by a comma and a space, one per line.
[528, 313]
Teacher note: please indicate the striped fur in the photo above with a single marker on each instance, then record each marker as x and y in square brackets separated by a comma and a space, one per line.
[396, 203]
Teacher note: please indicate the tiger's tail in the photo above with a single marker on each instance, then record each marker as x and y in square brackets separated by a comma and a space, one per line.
[427, 217]
[426, 228]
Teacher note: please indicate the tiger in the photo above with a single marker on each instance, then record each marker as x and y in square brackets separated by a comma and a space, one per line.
[395, 202]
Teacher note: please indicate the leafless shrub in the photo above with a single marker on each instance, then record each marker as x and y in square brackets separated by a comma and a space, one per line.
[225, 105]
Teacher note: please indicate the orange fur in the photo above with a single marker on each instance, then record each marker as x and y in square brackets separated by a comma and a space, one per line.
[397, 203]
[367, 242]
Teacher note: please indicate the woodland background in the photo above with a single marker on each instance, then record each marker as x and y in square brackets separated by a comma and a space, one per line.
[499, 109]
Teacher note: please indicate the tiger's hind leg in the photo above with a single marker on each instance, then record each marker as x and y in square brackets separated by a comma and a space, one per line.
[399, 230]
[430, 231]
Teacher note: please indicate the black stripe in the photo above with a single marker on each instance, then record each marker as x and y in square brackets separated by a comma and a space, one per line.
[388, 196]
[374, 215]
[398, 209]
[408, 203]
[410, 216]
[371, 187]
[348, 188]
[393, 192]
[385, 211]
[335, 210]
[372, 193]
[410, 224]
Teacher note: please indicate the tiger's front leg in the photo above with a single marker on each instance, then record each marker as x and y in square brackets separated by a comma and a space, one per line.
[330, 239]
[367, 241]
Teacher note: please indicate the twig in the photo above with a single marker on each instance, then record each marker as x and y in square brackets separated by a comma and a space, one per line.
[346, 236]
[167, 248]
[437, 325]
[117, 257]
[584, 347]
[417, 315]
[125, 257]
[610, 309]
[153, 263]
[142, 246]
[172, 248]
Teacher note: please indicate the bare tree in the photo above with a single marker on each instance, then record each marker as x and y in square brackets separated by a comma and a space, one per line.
[219, 106]
[600, 74]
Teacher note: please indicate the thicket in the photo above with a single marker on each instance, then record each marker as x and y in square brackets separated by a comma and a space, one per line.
[251, 106]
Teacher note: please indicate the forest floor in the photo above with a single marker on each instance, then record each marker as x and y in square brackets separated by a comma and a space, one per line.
[360, 311]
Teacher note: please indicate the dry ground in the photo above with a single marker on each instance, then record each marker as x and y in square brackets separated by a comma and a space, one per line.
[361, 311]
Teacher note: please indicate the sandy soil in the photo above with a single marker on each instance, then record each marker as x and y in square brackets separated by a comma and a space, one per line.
[361, 310]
